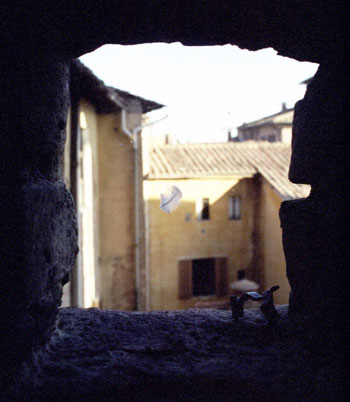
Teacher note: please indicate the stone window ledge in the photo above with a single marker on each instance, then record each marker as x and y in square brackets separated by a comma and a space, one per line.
[192, 355]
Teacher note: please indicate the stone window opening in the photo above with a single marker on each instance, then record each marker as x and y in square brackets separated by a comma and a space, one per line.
[38, 229]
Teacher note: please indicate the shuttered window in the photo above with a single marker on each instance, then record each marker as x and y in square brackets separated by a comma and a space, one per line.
[185, 279]
[221, 276]
[203, 277]
[234, 208]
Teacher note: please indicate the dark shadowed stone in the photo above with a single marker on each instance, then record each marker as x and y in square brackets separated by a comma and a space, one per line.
[160, 356]
[193, 355]
[316, 248]
[315, 230]
[313, 30]
[38, 230]
[48, 248]
[320, 143]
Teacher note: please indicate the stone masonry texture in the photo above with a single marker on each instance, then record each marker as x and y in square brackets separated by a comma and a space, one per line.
[37, 226]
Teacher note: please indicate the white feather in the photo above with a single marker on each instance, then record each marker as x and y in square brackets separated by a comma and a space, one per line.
[170, 199]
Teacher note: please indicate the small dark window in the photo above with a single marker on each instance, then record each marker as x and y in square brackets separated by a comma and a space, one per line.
[234, 208]
[241, 274]
[272, 138]
[203, 213]
[203, 277]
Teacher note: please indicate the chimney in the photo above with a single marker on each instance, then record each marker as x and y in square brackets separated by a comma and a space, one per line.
[284, 106]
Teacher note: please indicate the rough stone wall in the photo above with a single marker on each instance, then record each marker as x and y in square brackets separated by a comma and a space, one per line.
[192, 355]
[37, 232]
[315, 233]
[315, 30]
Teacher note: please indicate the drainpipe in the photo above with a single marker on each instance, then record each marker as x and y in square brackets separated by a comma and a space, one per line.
[135, 132]
[133, 135]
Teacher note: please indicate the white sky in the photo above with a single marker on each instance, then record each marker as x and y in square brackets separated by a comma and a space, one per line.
[206, 89]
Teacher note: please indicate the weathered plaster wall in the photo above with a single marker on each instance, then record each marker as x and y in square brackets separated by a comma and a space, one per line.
[271, 244]
[88, 259]
[91, 267]
[265, 131]
[116, 202]
[286, 135]
[180, 235]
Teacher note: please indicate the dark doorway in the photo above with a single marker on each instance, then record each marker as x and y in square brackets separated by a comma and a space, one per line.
[203, 277]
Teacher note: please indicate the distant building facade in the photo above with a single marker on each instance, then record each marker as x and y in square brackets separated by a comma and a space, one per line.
[226, 227]
[103, 170]
[133, 256]
[274, 128]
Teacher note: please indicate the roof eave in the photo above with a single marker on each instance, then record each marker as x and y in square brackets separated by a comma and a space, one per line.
[256, 123]
[85, 85]
[239, 176]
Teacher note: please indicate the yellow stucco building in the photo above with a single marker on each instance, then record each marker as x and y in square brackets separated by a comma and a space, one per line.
[102, 169]
[227, 226]
[134, 256]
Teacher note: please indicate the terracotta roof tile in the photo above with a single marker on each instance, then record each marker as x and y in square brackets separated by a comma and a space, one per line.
[243, 159]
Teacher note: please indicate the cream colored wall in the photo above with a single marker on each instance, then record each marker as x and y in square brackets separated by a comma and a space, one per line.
[283, 134]
[66, 296]
[66, 154]
[265, 131]
[88, 204]
[171, 237]
[116, 203]
[271, 242]
[286, 135]
[105, 197]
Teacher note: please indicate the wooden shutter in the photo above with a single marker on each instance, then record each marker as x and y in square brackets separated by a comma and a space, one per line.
[185, 279]
[221, 276]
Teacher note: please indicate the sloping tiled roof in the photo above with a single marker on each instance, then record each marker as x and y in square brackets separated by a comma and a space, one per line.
[285, 117]
[125, 98]
[242, 159]
[84, 84]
